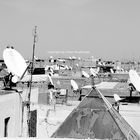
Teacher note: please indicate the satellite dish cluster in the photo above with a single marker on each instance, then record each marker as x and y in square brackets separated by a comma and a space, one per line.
[17, 66]
[93, 72]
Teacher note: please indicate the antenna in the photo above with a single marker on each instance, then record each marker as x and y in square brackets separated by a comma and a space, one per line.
[30, 82]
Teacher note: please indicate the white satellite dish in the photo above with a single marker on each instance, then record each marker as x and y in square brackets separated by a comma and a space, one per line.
[74, 85]
[117, 97]
[70, 68]
[66, 67]
[135, 79]
[79, 58]
[15, 63]
[98, 69]
[85, 74]
[111, 70]
[50, 79]
[51, 70]
[77, 65]
[73, 57]
[93, 72]
[51, 57]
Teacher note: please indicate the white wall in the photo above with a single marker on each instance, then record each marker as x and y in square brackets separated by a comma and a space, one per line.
[10, 106]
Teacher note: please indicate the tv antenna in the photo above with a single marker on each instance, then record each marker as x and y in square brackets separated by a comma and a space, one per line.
[30, 82]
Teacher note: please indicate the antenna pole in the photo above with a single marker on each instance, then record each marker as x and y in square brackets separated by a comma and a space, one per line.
[30, 83]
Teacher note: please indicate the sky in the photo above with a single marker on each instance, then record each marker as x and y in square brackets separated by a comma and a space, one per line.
[107, 29]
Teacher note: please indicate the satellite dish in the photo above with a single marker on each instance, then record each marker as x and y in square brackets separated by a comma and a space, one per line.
[14, 62]
[111, 70]
[50, 79]
[79, 58]
[93, 72]
[73, 57]
[117, 97]
[135, 79]
[66, 67]
[51, 57]
[77, 65]
[51, 70]
[70, 67]
[85, 74]
[36, 58]
[98, 69]
[74, 85]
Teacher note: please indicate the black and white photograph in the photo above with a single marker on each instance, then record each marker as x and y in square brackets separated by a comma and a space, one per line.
[70, 69]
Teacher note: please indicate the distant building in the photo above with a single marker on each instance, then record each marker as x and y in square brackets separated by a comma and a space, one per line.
[88, 63]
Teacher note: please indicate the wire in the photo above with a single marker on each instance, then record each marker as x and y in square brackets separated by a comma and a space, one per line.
[47, 122]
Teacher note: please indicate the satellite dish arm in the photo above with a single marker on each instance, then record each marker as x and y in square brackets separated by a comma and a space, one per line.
[30, 83]
[25, 71]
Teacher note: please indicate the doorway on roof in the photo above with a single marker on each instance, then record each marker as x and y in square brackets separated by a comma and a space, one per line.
[6, 125]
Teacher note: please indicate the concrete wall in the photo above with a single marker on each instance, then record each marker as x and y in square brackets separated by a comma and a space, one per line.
[10, 107]
[39, 92]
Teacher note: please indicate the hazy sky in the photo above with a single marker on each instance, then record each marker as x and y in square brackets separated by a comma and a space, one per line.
[101, 28]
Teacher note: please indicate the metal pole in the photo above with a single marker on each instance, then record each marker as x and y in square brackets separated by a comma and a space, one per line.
[30, 83]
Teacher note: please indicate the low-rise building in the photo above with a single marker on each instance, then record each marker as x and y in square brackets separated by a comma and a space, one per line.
[10, 114]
